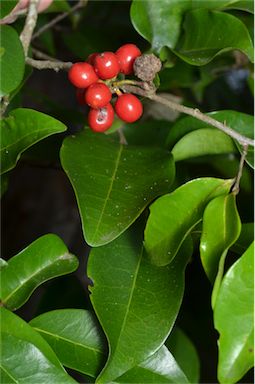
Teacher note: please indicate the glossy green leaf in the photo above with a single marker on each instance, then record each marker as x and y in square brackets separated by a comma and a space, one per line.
[240, 122]
[203, 142]
[234, 320]
[76, 338]
[21, 129]
[24, 363]
[160, 22]
[45, 258]
[113, 182]
[135, 302]
[12, 60]
[215, 32]
[185, 354]
[13, 325]
[245, 239]
[3, 263]
[6, 7]
[161, 367]
[221, 228]
[173, 216]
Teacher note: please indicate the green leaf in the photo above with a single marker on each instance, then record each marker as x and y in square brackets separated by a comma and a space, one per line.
[245, 239]
[242, 5]
[7, 7]
[13, 325]
[240, 122]
[113, 183]
[185, 354]
[3, 263]
[12, 60]
[215, 32]
[76, 338]
[24, 363]
[161, 367]
[173, 216]
[221, 228]
[234, 320]
[45, 258]
[21, 129]
[159, 22]
[203, 142]
[135, 302]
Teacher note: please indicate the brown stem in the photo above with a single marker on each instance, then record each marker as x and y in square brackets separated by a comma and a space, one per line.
[30, 23]
[60, 17]
[236, 186]
[150, 94]
[48, 64]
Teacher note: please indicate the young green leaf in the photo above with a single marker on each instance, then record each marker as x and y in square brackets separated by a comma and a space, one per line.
[221, 228]
[203, 142]
[215, 32]
[45, 258]
[12, 59]
[7, 7]
[113, 182]
[184, 353]
[21, 129]
[173, 216]
[245, 239]
[76, 338]
[135, 302]
[234, 320]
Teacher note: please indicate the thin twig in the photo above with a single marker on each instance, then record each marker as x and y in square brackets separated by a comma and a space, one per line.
[4, 104]
[60, 17]
[42, 55]
[235, 188]
[30, 23]
[48, 64]
[189, 111]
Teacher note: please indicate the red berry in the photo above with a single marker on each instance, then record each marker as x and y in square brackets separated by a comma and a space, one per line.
[80, 93]
[91, 58]
[128, 107]
[82, 75]
[98, 95]
[127, 54]
[106, 65]
[101, 119]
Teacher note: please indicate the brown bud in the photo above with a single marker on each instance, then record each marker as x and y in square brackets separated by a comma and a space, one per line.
[147, 66]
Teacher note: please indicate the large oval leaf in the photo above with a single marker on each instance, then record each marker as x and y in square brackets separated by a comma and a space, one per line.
[221, 228]
[76, 338]
[135, 302]
[113, 183]
[21, 129]
[234, 320]
[174, 215]
[215, 32]
[184, 353]
[45, 258]
[203, 142]
[12, 59]
[240, 122]
[22, 362]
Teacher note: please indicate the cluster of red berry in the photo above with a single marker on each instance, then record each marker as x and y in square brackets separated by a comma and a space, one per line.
[92, 79]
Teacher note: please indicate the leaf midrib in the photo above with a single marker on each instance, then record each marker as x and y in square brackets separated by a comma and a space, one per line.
[8, 374]
[57, 336]
[109, 191]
